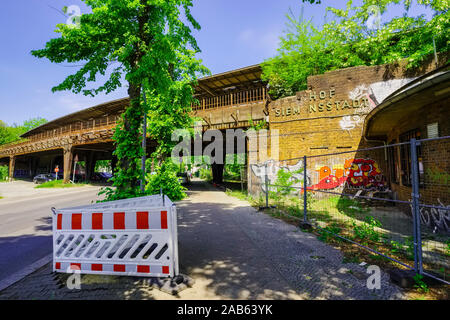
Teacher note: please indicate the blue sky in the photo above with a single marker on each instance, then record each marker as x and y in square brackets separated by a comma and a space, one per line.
[234, 34]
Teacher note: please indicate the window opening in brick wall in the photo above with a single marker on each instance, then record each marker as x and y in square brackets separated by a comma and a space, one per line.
[405, 157]
[393, 162]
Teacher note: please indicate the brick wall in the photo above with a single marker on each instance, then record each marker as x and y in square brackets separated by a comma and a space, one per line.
[328, 118]
[434, 155]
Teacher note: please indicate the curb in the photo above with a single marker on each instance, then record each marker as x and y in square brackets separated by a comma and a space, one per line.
[9, 281]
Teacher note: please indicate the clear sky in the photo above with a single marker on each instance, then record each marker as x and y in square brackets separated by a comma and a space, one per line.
[234, 34]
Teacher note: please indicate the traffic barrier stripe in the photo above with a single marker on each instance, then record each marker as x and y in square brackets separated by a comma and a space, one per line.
[96, 267]
[115, 267]
[75, 266]
[119, 220]
[143, 269]
[59, 222]
[163, 219]
[142, 220]
[76, 221]
[97, 221]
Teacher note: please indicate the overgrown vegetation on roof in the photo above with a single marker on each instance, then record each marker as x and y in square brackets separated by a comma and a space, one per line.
[355, 37]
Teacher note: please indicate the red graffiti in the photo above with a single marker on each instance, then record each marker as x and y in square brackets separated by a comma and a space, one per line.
[356, 173]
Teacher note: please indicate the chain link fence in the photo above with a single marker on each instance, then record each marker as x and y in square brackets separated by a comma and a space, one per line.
[392, 200]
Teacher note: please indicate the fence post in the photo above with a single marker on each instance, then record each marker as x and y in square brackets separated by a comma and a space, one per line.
[418, 268]
[266, 182]
[305, 194]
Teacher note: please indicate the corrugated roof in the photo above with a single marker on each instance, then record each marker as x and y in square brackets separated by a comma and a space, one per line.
[242, 78]
[110, 107]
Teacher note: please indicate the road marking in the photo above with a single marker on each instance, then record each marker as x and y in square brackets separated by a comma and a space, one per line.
[31, 197]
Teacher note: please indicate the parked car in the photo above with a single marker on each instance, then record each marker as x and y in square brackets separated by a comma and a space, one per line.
[101, 176]
[78, 178]
[106, 175]
[45, 177]
[184, 177]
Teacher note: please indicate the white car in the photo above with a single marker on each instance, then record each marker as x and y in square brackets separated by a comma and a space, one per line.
[184, 178]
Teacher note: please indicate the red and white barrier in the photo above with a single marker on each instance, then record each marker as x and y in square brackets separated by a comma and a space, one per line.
[125, 237]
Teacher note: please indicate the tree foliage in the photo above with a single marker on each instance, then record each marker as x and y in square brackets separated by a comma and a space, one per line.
[4, 173]
[353, 38]
[148, 43]
[165, 179]
[9, 134]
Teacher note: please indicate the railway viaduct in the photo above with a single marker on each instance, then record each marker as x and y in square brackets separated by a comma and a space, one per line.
[228, 100]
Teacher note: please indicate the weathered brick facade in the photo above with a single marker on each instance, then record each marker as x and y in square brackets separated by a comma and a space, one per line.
[328, 118]
[433, 156]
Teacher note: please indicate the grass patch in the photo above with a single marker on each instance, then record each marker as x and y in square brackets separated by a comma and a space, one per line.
[351, 219]
[59, 184]
[241, 195]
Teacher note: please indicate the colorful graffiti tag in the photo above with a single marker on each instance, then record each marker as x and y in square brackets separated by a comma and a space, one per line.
[354, 173]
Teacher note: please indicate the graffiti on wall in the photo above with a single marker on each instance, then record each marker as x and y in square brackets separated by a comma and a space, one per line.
[373, 94]
[437, 218]
[438, 176]
[354, 173]
[273, 167]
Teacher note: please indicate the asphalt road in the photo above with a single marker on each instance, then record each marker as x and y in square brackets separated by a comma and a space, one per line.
[26, 221]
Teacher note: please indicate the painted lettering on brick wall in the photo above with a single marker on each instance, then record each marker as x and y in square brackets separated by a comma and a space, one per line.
[353, 173]
[361, 100]
[318, 102]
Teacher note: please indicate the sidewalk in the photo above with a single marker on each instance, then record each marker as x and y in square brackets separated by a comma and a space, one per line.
[232, 252]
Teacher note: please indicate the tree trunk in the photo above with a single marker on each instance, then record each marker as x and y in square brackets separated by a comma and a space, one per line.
[132, 119]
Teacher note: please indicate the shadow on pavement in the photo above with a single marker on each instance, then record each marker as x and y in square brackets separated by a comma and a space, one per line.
[231, 251]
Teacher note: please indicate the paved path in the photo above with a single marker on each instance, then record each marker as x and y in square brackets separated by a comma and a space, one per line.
[25, 222]
[232, 252]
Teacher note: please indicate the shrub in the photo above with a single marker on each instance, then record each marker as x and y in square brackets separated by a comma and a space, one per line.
[4, 173]
[366, 231]
[166, 179]
[206, 174]
[327, 233]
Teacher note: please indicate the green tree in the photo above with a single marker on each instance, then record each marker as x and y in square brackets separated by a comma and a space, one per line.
[12, 133]
[6, 135]
[149, 43]
[4, 173]
[353, 39]
[33, 123]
